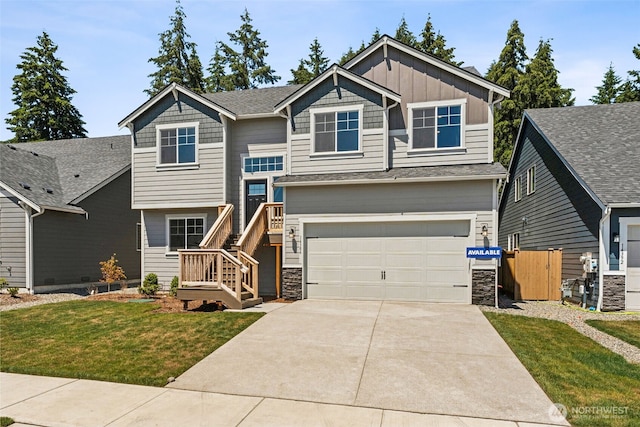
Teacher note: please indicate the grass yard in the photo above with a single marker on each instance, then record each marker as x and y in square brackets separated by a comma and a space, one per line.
[626, 330]
[588, 379]
[112, 341]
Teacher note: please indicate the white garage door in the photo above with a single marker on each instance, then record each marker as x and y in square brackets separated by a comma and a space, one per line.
[415, 261]
[633, 268]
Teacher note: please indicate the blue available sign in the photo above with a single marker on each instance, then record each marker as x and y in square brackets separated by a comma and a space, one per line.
[484, 253]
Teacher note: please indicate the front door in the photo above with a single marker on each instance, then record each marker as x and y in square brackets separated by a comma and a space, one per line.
[633, 268]
[255, 193]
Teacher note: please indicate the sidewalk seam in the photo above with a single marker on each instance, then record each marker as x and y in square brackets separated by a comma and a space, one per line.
[251, 411]
[164, 390]
[73, 380]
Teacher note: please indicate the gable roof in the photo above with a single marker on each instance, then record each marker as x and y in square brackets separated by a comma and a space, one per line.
[600, 144]
[72, 169]
[467, 73]
[332, 72]
[252, 102]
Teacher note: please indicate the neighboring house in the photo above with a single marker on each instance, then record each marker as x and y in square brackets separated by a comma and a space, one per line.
[574, 184]
[375, 176]
[64, 207]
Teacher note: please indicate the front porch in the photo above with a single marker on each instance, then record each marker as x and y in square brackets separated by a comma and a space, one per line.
[224, 269]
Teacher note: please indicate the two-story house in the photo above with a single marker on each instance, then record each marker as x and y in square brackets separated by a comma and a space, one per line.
[367, 183]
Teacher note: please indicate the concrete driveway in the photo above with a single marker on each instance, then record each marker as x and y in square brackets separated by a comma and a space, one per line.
[425, 358]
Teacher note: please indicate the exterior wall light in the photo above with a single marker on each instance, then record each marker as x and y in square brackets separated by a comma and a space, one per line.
[485, 230]
[616, 238]
[292, 233]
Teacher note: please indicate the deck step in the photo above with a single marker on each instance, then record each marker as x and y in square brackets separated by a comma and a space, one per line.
[215, 293]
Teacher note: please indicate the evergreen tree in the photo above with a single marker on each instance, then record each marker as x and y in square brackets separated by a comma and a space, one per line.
[610, 88]
[630, 89]
[350, 54]
[404, 35]
[539, 84]
[43, 97]
[177, 60]
[309, 69]
[218, 81]
[435, 44]
[507, 72]
[375, 36]
[248, 68]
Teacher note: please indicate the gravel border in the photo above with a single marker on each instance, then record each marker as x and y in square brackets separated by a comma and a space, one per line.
[575, 317]
[42, 299]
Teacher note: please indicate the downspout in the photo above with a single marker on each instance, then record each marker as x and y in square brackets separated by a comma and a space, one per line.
[29, 244]
[603, 250]
[387, 108]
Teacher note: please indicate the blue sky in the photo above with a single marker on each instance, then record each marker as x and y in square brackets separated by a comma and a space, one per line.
[106, 44]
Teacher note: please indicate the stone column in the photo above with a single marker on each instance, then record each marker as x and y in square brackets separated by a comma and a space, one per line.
[292, 283]
[483, 287]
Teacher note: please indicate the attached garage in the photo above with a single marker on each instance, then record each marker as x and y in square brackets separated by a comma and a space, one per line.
[407, 260]
[632, 296]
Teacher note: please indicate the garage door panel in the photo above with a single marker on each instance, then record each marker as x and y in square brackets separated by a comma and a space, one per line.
[362, 275]
[447, 294]
[365, 291]
[325, 291]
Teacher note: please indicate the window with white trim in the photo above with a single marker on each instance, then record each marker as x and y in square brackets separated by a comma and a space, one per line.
[185, 233]
[263, 164]
[177, 144]
[515, 241]
[336, 131]
[517, 189]
[138, 237]
[438, 125]
[531, 179]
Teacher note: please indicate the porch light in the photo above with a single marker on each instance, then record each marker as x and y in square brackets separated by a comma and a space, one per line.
[292, 233]
[485, 230]
[616, 238]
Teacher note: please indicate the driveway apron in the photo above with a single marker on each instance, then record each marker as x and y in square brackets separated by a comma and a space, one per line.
[426, 358]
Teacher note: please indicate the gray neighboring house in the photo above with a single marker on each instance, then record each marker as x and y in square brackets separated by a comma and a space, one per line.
[574, 183]
[65, 206]
[374, 178]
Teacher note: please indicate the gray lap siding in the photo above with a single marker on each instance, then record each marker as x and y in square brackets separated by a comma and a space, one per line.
[12, 241]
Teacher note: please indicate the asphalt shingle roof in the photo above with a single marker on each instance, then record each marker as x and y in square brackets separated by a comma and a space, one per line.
[70, 168]
[423, 172]
[252, 101]
[601, 143]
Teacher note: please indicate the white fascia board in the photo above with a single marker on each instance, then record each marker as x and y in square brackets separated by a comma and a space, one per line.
[151, 206]
[78, 210]
[175, 88]
[20, 197]
[430, 60]
[100, 185]
[387, 180]
[400, 217]
[624, 205]
[329, 73]
[257, 116]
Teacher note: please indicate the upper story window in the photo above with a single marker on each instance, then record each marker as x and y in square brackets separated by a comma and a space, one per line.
[336, 130]
[185, 232]
[517, 189]
[436, 125]
[263, 164]
[177, 144]
[531, 179]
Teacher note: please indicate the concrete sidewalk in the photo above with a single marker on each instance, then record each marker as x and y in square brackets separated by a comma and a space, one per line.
[53, 402]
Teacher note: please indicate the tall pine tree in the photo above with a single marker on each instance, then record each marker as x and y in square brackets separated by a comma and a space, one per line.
[43, 97]
[404, 34]
[350, 54]
[247, 65]
[435, 44]
[610, 88]
[177, 60]
[507, 72]
[630, 89]
[539, 84]
[309, 69]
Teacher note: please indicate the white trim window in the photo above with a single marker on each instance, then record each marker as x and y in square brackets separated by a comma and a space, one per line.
[139, 237]
[531, 179]
[517, 188]
[263, 164]
[185, 232]
[177, 144]
[515, 240]
[336, 129]
[436, 125]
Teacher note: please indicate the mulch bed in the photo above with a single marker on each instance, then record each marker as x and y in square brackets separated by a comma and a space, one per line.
[164, 303]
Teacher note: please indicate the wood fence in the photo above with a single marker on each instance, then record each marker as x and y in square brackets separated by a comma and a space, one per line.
[532, 275]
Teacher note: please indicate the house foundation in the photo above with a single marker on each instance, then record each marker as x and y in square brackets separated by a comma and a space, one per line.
[483, 289]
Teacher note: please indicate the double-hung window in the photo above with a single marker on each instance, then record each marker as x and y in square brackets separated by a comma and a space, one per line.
[177, 144]
[186, 232]
[438, 125]
[531, 179]
[336, 131]
[517, 189]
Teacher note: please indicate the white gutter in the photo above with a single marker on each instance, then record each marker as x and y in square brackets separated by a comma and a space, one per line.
[387, 180]
[603, 250]
[29, 244]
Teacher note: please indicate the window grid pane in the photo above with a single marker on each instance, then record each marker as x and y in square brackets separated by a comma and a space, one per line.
[449, 119]
[178, 145]
[424, 131]
[263, 164]
[337, 132]
[185, 233]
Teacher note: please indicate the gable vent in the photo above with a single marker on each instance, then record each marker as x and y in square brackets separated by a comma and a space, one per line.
[25, 185]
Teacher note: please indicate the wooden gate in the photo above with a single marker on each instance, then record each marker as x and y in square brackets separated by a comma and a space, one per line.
[532, 275]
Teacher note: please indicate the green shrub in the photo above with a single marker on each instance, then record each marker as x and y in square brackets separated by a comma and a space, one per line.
[173, 290]
[3, 283]
[13, 292]
[6, 421]
[150, 285]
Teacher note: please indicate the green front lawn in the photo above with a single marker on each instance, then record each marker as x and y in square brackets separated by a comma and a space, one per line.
[112, 341]
[592, 382]
[626, 330]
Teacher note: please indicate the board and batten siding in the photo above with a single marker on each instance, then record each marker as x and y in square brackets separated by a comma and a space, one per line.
[155, 241]
[255, 138]
[461, 197]
[418, 81]
[559, 214]
[476, 150]
[153, 187]
[67, 248]
[12, 241]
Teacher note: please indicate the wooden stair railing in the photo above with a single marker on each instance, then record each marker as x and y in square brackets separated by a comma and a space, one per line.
[220, 230]
[268, 218]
